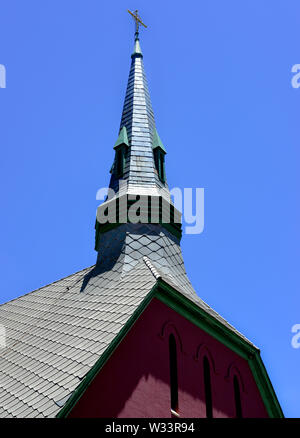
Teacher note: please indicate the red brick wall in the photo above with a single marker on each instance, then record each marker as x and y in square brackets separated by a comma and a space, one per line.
[135, 380]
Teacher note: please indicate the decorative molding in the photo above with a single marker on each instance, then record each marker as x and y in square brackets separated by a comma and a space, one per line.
[169, 328]
[203, 351]
[232, 371]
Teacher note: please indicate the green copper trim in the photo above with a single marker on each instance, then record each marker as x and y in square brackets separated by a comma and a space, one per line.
[64, 412]
[122, 138]
[156, 142]
[174, 226]
[177, 232]
[209, 324]
[120, 147]
[104, 228]
[265, 386]
[159, 156]
[203, 320]
[137, 51]
[189, 310]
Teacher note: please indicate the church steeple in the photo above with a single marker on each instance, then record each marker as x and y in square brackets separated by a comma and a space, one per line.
[139, 219]
[140, 168]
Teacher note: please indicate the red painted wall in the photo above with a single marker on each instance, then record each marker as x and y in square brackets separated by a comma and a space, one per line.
[135, 380]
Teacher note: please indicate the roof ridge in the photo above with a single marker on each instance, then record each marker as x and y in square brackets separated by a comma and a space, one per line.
[154, 271]
[196, 299]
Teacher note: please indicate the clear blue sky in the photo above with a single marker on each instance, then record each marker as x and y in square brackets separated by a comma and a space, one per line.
[219, 74]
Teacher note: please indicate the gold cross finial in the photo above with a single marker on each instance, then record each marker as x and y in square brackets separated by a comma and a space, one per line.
[137, 20]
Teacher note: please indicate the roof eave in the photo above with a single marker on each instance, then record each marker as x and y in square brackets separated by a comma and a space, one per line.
[185, 307]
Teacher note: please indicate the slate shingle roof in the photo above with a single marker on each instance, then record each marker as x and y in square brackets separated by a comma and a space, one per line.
[56, 334]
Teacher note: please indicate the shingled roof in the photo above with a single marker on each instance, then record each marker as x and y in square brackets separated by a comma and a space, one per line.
[58, 336]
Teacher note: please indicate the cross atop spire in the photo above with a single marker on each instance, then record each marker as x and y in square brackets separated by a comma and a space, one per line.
[138, 21]
[139, 152]
[138, 218]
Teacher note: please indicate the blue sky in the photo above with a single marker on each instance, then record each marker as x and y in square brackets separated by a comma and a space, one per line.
[219, 75]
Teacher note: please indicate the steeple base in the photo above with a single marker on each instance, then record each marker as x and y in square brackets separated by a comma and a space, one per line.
[121, 248]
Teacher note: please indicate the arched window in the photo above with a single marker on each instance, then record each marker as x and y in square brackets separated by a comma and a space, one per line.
[159, 153]
[237, 398]
[121, 147]
[119, 161]
[159, 159]
[173, 374]
[207, 387]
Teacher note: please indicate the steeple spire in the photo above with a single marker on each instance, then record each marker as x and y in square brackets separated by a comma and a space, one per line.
[140, 166]
[140, 219]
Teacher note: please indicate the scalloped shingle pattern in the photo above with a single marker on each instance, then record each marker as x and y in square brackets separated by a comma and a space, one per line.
[55, 334]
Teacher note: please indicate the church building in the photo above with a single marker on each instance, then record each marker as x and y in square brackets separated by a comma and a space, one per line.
[129, 337]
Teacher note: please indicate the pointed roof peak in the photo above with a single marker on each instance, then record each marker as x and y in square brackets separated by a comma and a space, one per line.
[137, 51]
[156, 142]
[122, 138]
[140, 167]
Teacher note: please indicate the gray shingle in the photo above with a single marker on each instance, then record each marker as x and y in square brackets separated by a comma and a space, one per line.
[48, 356]
[43, 365]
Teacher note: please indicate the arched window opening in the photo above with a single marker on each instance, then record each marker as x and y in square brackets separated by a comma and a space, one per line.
[237, 398]
[207, 387]
[156, 159]
[162, 167]
[173, 374]
[159, 156]
[159, 159]
[120, 155]
[121, 147]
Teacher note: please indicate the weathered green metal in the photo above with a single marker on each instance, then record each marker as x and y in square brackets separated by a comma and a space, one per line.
[137, 51]
[122, 138]
[173, 226]
[156, 142]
